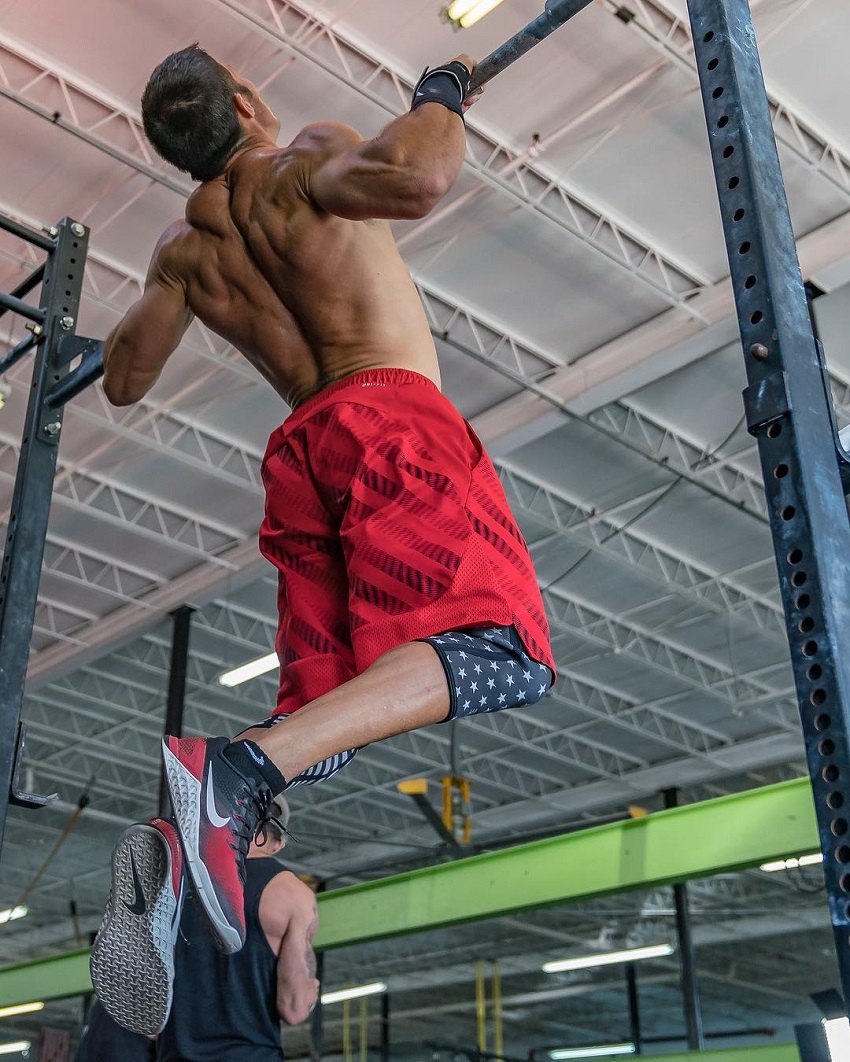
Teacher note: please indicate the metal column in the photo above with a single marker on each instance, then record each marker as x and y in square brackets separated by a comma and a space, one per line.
[687, 956]
[790, 413]
[385, 1027]
[180, 631]
[28, 517]
[634, 1008]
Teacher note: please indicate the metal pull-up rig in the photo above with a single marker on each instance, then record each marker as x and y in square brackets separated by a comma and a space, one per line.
[788, 408]
[52, 335]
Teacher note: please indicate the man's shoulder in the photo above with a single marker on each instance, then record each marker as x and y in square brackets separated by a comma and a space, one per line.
[168, 259]
[326, 137]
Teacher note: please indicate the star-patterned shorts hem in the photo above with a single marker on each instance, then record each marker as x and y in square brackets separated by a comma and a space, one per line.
[489, 670]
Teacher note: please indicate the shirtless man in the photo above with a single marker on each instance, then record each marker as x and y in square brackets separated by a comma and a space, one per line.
[406, 592]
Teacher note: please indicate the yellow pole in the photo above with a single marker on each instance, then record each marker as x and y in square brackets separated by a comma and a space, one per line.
[481, 1005]
[497, 1010]
[364, 1029]
[346, 1030]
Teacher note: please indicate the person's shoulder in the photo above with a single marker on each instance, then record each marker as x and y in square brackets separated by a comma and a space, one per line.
[169, 254]
[327, 137]
[285, 881]
[286, 897]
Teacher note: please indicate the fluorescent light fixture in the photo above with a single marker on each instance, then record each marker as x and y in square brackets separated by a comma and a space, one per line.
[465, 13]
[21, 1008]
[374, 989]
[11, 913]
[837, 1032]
[611, 958]
[603, 1051]
[252, 669]
[17, 1047]
[793, 863]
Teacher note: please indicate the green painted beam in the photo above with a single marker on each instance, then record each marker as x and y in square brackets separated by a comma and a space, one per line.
[770, 1053]
[50, 978]
[695, 841]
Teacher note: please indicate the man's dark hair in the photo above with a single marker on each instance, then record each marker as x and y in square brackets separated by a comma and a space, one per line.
[189, 113]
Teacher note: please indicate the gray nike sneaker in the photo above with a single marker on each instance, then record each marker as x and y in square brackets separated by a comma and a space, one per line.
[132, 960]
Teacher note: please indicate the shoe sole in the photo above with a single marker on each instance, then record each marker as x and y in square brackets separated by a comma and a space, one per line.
[132, 960]
[184, 790]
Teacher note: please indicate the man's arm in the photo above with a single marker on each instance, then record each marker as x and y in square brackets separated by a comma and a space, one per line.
[139, 346]
[401, 173]
[291, 908]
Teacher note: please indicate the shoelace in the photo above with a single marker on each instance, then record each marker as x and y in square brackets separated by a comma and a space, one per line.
[264, 804]
[250, 823]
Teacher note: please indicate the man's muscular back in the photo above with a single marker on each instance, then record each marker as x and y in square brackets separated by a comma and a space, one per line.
[286, 253]
[306, 296]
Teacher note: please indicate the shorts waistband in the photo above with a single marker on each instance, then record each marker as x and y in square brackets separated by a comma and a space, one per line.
[385, 377]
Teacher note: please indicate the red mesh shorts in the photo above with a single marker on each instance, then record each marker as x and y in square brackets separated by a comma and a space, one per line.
[387, 523]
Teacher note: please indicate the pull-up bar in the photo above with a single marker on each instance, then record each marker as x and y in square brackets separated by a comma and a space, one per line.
[557, 12]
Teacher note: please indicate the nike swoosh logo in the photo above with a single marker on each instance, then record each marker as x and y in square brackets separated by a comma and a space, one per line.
[212, 810]
[138, 906]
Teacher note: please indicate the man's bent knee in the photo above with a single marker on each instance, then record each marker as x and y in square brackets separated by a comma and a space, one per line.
[488, 670]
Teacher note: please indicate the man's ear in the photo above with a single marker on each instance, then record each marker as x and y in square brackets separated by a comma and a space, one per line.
[244, 105]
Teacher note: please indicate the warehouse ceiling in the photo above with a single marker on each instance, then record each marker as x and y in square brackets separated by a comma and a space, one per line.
[577, 289]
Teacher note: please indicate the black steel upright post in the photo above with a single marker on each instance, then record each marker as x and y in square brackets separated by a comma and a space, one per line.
[789, 412]
[385, 1027]
[634, 1008]
[180, 630]
[687, 956]
[28, 517]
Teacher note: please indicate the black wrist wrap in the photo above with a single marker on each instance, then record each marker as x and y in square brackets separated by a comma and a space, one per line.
[448, 85]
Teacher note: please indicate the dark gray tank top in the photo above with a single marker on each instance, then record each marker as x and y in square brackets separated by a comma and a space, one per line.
[225, 1006]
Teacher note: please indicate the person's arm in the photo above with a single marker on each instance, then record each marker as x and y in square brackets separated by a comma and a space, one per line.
[289, 907]
[138, 347]
[402, 173]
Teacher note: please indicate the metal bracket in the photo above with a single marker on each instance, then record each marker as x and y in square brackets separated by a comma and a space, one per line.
[416, 789]
[16, 795]
[85, 374]
[766, 400]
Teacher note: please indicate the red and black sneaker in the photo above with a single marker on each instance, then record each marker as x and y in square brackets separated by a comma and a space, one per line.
[132, 960]
[218, 812]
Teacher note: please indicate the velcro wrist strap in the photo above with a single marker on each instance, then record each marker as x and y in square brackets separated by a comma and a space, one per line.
[448, 85]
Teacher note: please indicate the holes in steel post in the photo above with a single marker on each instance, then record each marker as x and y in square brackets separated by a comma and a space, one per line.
[733, 183]
[823, 722]
[814, 672]
[728, 151]
[717, 93]
[750, 282]
[830, 773]
[713, 63]
[806, 625]
[842, 854]
[745, 247]
[835, 800]
[838, 826]
[795, 555]
[781, 471]
[708, 37]
[739, 214]
[810, 647]
[756, 317]
[788, 513]
[798, 579]
[774, 430]
[818, 697]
